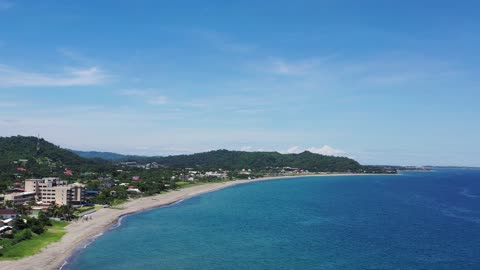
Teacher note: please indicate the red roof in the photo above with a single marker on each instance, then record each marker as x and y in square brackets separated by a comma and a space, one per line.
[8, 212]
[21, 169]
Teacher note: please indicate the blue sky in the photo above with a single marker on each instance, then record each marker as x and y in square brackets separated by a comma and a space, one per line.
[384, 82]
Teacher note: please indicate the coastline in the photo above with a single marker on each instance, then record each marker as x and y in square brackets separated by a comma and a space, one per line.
[79, 233]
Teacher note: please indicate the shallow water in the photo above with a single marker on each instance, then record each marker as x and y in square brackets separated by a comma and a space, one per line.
[417, 220]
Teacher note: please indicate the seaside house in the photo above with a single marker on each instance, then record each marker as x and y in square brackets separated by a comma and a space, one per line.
[20, 198]
[8, 214]
[7, 222]
[3, 229]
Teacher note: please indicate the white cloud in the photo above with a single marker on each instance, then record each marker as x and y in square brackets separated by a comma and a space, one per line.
[11, 77]
[293, 149]
[246, 148]
[326, 150]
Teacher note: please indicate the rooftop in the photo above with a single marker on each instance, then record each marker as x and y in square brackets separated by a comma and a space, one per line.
[8, 212]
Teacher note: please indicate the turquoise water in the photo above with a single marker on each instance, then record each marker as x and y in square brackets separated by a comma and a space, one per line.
[410, 221]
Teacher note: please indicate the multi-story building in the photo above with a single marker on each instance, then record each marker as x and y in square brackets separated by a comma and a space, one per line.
[20, 197]
[48, 190]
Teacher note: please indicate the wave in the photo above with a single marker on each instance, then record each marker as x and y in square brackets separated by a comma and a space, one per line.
[445, 209]
[465, 192]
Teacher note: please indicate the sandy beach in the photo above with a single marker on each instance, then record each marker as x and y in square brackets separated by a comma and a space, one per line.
[79, 233]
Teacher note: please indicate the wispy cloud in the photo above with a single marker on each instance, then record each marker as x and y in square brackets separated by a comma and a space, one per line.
[4, 104]
[12, 77]
[326, 150]
[336, 73]
[222, 42]
[149, 96]
[5, 4]
[279, 66]
[77, 57]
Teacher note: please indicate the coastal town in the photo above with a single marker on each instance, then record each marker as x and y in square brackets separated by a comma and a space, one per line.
[27, 202]
[53, 197]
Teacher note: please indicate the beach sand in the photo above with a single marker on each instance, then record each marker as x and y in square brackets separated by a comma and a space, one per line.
[79, 233]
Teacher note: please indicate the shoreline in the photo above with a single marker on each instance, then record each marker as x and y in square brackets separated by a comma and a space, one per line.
[57, 255]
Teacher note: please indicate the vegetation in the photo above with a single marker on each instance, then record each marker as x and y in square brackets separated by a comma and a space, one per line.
[30, 157]
[231, 160]
[64, 212]
[31, 243]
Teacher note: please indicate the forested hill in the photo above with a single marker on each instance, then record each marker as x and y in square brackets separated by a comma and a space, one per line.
[49, 159]
[226, 159]
[239, 160]
[41, 158]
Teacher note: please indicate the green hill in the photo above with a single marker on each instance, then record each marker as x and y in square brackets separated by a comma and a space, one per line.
[226, 159]
[40, 158]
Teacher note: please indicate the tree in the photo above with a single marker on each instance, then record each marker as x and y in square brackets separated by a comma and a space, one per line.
[66, 212]
[20, 224]
[43, 219]
[52, 210]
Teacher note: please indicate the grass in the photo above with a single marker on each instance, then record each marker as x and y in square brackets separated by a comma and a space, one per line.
[117, 202]
[36, 243]
[184, 184]
[84, 209]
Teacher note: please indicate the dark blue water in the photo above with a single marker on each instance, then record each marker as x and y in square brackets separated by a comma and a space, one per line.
[412, 221]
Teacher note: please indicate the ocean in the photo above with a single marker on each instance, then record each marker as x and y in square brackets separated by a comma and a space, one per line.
[416, 220]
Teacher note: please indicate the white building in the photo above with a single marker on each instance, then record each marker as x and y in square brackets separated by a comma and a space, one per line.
[48, 190]
[20, 198]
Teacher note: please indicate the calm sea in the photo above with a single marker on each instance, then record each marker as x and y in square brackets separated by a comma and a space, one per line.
[417, 220]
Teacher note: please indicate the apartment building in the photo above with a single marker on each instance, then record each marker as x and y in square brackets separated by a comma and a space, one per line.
[48, 190]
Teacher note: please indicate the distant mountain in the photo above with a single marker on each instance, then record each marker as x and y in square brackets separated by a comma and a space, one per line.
[102, 155]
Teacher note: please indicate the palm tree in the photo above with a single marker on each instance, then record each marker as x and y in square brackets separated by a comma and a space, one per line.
[52, 210]
[66, 211]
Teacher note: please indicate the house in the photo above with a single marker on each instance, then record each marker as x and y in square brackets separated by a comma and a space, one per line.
[20, 198]
[133, 189]
[7, 222]
[8, 213]
[136, 178]
[4, 229]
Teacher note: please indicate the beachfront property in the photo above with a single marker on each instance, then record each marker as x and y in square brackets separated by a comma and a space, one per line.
[20, 198]
[48, 190]
[217, 174]
[7, 214]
